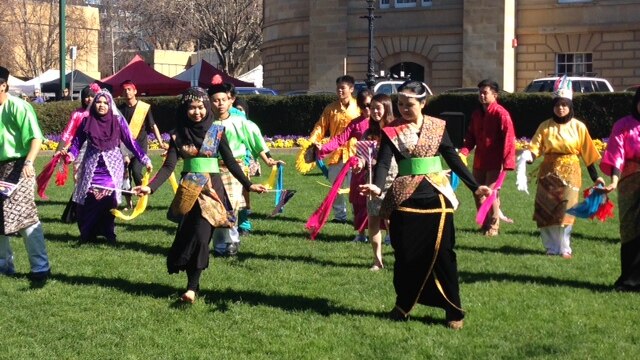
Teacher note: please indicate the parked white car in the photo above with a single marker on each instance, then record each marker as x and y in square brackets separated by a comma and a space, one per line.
[385, 86]
[579, 84]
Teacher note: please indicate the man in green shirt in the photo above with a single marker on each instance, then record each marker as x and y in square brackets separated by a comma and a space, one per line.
[20, 140]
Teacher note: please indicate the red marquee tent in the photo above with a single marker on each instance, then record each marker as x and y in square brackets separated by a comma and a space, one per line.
[202, 73]
[147, 80]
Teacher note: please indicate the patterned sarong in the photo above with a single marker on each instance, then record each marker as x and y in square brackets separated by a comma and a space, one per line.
[559, 181]
[19, 210]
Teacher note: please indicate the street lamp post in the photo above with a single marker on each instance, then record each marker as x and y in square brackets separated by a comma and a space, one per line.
[371, 75]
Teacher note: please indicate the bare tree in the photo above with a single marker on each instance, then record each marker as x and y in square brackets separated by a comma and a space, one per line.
[7, 41]
[131, 26]
[34, 27]
[232, 28]
[159, 24]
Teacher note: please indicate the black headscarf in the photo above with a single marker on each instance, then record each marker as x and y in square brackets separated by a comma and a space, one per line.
[634, 105]
[103, 131]
[564, 119]
[187, 131]
[86, 92]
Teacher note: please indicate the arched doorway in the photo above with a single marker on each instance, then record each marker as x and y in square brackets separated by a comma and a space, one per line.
[409, 70]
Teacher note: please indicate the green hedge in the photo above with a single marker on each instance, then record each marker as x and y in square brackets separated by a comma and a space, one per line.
[597, 110]
[296, 115]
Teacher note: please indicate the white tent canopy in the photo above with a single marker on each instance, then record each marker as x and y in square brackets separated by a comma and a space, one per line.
[28, 87]
[254, 75]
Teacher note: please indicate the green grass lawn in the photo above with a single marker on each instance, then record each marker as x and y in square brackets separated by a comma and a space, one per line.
[285, 296]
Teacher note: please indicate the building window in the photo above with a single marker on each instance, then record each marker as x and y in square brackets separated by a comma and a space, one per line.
[405, 3]
[574, 64]
[385, 4]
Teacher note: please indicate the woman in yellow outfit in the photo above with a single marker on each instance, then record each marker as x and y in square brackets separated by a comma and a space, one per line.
[562, 141]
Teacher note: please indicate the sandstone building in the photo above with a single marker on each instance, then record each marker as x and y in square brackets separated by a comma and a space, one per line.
[450, 43]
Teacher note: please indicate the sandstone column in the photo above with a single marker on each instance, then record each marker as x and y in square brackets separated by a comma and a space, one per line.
[489, 28]
[327, 42]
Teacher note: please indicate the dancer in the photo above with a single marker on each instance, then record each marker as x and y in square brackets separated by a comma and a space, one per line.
[420, 205]
[335, 117]
[492, 135]
[202, 206]
[99, 181]
[86, 98]
[561, 140]
[22, 138]
[381, 116]
[139, 117]
[242, 136]
[621, 161]
[354, 130]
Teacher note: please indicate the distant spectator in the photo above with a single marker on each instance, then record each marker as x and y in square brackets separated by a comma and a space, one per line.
[65, 94]
[37, 97]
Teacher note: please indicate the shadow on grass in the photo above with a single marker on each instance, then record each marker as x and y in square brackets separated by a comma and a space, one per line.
[302, 235]
[222, 300]
[333, 238]
[510, 229]
[62, 237]
[299, 234]
[125, 245]
[471, 277]
[44, 203]
[607, 240]
[129, 226]
[505, 250]
[245, 255]
[280, 217]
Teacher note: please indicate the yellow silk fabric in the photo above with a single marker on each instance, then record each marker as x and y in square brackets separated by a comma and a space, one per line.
[141, 205]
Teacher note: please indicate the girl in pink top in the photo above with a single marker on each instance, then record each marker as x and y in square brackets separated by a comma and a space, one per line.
[355, 130]
[621, 161]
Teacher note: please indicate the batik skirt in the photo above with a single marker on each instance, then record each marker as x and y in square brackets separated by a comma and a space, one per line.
[629, 210]
[190, 248]
[559, 181]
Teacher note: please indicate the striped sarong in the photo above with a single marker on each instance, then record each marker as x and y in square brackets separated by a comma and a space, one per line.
[233, 187]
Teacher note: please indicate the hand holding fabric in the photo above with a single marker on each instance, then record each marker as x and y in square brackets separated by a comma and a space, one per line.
[521, 171]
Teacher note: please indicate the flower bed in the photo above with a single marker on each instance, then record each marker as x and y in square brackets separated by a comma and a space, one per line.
[285, 142]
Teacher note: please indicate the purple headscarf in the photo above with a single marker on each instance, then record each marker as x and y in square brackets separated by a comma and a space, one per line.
[103, 132]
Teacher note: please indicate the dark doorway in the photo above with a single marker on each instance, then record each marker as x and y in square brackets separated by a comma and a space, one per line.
[408, 70]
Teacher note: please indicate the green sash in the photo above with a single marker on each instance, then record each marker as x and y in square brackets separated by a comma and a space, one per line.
[201, 165]
[419, 166]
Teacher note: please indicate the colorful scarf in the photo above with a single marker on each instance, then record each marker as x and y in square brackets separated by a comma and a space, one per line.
[321, 215]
